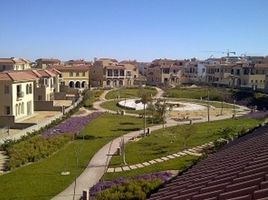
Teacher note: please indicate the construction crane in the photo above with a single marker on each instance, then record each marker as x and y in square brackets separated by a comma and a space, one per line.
[228, 52]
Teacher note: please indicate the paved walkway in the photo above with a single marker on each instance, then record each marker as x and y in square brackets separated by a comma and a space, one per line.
[99, 163]
[195, 151]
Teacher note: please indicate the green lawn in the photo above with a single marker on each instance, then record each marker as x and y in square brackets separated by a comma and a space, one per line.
[204, 102]
[42, 180]
[174, 164]
[170, 140]
[112, 105]
[129, 92]
[197, 93]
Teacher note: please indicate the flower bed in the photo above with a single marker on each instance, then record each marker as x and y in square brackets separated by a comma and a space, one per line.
[104, 185]
[72, 125]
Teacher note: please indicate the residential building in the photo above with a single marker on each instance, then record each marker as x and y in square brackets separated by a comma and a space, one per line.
[195, 71]
[44, 63]
[7, 64]
[165, 72]
[110, 73]
[17, 95]
[76, 77]
[46, 84]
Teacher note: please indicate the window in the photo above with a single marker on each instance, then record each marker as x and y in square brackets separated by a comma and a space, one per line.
[116, 72]
[30, 89]
[27, 89]
[110, 72]
[7, 110]
[71, 74]
[77, 73]
[122, 73]
[19, 92]
[6, 89]
[84, 73]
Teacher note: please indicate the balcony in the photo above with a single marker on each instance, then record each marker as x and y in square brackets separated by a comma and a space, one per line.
[20, 94]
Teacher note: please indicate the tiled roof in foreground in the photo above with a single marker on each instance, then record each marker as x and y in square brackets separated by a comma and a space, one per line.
[237, 171]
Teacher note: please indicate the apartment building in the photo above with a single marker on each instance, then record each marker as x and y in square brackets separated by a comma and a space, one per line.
[195, 71]
[239, 75]
[76, 77]
[165, 72]
[110, 73]
[17, 95]
[7, 64]
[44, 63]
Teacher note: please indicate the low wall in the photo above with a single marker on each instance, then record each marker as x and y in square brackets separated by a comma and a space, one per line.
[60, 95]
[41, 124]
[46, 106]
[9, 121]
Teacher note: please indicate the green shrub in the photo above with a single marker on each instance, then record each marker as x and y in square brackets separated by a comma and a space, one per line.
[133, 190]
[34, 149]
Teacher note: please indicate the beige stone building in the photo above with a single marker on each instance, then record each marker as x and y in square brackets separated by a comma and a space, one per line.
[7, 64]
[44, 63]
[76, 77]
[17, 95]
[165, 72]
[111, 73]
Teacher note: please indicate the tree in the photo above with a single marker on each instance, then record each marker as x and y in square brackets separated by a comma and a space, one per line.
[161, 108]
[145, 98]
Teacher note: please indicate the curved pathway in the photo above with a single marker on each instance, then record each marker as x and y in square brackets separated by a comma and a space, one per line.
[99, 163]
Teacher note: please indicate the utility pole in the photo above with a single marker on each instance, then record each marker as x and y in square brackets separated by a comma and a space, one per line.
[144, 107]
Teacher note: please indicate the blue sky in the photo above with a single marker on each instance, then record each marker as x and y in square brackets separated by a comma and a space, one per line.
[132, 29]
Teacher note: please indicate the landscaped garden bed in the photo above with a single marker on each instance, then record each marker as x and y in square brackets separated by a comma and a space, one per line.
[138, 187]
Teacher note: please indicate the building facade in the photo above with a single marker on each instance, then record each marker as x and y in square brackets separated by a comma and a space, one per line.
[17, 94]
[111, 73]
[7, 64]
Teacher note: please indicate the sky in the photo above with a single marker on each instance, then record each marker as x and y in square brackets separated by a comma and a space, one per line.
[132, 29]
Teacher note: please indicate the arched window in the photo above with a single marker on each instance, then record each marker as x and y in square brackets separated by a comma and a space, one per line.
[83, 85]
[19, 109]
[22, 108]
[71, 84]
[27, 89]
[16, 109]
[120, 82]
[77, 84]
[30, 89]
[108, 82]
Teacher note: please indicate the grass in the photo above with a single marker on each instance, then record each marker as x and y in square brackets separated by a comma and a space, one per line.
[174, 164]
[42, 180]
[197, 93]
[171, 140]
[204, 102]
[112, 105]
[129, 92]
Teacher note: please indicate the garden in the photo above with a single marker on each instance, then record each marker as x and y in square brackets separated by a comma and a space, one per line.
[166, 141]
[43, 180]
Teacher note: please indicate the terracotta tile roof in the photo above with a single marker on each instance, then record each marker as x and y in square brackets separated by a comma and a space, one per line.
[39, 73]
[48, 60]
[7, 61]
[54, 70]
[239, 169]
[16, 76]
[78, 68]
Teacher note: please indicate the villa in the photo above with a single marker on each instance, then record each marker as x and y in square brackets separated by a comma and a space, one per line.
[17, 96]
[14, 64]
